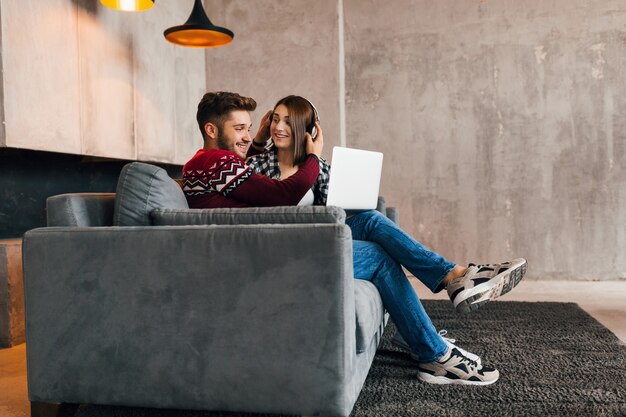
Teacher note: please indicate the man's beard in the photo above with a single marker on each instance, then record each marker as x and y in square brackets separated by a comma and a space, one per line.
[222, 142]
[227, 145]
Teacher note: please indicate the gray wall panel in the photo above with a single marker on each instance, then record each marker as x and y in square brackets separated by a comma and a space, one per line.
[84, 79]
[502, 125]
[280, 48]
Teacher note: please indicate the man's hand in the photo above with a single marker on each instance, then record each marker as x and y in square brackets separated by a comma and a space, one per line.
[315, 147]
[263, 134]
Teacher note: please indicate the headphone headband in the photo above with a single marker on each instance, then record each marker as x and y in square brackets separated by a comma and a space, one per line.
[315, 113]
[313, 130]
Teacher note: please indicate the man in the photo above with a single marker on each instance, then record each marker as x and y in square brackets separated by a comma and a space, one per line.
[218, 177]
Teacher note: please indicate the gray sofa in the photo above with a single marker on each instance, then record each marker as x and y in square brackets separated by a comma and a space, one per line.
[134, 299]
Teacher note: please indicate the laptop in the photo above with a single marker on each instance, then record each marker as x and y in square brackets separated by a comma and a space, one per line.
[354, 179]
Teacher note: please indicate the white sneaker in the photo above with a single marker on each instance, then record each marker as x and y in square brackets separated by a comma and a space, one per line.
[483, 283]
[399, 341]
[457, 369]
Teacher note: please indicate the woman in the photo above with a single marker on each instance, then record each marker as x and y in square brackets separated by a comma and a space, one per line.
[292, 120]
[380, 248]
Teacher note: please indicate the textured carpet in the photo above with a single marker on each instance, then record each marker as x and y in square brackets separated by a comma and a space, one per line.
[554, 360]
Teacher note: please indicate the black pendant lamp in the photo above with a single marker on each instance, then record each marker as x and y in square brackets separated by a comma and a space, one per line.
[198, 31]
[128, 5]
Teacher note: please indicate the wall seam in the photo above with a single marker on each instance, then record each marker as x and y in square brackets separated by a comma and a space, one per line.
[79, 72]
[342, 74]
[134, 134]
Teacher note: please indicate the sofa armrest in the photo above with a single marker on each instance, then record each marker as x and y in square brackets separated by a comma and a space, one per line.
[250, 215]
[381, 205]
[393, 215]
[80, 209]
[184, 316]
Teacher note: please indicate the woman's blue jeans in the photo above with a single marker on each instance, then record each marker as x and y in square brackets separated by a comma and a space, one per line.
[380, 248]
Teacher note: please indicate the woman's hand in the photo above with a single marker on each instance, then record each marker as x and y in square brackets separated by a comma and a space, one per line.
[315, 146]
[263, 134]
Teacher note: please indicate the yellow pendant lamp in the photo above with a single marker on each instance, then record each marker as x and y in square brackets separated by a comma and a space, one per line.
[129, 5]
[198, 31]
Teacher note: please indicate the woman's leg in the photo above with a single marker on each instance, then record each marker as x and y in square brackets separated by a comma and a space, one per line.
[468, 288]
[427, 266]
[373, 263]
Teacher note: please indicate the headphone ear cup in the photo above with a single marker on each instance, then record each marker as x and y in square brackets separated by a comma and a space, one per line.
[316, 118]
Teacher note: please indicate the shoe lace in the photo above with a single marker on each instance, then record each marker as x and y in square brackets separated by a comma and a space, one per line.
[483, 265]
[443, 333]
[464, 358]
[494, 266]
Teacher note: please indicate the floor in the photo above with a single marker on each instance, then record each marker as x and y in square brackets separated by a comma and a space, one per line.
[606, 301]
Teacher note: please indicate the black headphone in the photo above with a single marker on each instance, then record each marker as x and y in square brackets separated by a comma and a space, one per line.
[310, 128]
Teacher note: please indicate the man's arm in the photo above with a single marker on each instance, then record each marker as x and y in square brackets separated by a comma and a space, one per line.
[258, 190]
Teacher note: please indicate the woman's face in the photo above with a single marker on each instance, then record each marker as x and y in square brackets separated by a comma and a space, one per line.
[281, 128]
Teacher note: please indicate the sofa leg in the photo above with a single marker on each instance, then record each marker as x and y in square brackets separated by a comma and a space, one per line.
[38, 409]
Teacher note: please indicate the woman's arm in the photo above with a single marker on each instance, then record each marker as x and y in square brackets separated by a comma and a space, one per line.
[261, 137]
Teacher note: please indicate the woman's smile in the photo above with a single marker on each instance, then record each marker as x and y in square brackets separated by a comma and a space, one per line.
[280, 135]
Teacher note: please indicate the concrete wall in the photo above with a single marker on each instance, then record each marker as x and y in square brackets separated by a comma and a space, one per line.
[502, 122]
[503, 125]
[81, 78]
[2, 129]
[281, 47]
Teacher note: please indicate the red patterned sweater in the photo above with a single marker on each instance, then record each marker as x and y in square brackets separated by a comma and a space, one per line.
[217, 178]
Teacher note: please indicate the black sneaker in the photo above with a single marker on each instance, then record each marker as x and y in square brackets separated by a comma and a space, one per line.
[483, 283]
[457, 369]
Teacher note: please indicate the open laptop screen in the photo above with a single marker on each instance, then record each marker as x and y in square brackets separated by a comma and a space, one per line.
[354, 179]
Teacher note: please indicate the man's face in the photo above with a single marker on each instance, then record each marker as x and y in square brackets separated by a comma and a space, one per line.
[235, 134]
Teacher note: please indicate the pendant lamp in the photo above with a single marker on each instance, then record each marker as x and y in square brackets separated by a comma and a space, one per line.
[129, 5]
[198, 31]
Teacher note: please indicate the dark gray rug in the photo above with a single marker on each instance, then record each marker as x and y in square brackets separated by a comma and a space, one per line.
[554, 360]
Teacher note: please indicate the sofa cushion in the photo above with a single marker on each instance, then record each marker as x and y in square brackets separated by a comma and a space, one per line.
[369, 313]
[142, 188]
[248, 215]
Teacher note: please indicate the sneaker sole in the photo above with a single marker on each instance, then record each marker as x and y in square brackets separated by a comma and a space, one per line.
[499, 285]
[442, 380]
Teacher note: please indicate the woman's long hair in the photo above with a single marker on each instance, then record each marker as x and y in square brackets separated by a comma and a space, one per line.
[301, 115]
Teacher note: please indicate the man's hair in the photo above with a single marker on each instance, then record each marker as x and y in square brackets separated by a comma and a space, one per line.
[215, 107]
[301, 115]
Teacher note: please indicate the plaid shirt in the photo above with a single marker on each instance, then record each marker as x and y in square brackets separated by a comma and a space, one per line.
[267, 164]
